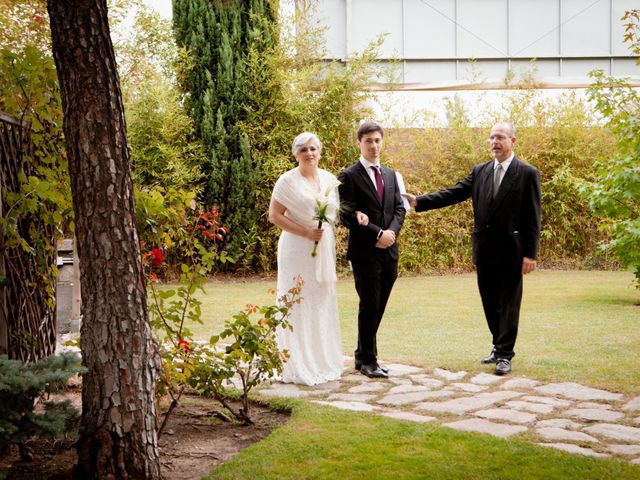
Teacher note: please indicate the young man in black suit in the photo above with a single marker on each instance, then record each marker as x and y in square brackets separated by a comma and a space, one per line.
[372, 189]
[506, 208]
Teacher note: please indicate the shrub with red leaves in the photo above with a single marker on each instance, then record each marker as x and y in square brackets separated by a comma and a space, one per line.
[156, 256]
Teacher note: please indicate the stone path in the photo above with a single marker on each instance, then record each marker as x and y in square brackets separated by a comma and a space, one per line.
[566, 416]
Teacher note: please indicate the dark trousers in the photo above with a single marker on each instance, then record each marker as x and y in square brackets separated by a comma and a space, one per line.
[374, 278]
[501, 292]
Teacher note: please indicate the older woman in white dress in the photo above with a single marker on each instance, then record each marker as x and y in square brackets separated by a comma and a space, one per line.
[314, 345]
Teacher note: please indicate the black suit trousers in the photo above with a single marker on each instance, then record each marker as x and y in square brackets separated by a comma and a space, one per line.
[500, 286]
[374, 279]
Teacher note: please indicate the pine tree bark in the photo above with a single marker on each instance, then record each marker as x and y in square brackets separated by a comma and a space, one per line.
[118, 438]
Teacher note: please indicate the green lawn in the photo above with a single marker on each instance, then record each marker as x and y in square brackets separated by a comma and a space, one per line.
[575, 325]
[326, 443]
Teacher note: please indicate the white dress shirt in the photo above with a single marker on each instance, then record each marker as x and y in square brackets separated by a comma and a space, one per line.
[367, 166]
[504, 166]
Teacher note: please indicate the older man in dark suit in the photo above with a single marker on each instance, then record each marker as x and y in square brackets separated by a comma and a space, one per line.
[372, 189]
[506, 207]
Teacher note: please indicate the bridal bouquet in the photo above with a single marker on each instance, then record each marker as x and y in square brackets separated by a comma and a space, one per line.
[322, 203]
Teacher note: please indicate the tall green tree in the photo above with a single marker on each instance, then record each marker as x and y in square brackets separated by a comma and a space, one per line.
[615, 192]
[219, 36]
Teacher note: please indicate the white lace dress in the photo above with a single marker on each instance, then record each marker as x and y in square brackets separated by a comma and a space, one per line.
[314, 344]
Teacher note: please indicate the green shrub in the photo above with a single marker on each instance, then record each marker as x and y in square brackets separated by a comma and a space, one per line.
[20, 386]
[249, 351]
[162, 219]
[246, 350]
[164, 151]
[614, 192]
[170, 309]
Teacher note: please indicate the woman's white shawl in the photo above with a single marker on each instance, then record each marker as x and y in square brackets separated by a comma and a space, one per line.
[300, 199]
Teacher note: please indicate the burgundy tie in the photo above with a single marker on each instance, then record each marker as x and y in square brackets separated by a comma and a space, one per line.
[379, 184]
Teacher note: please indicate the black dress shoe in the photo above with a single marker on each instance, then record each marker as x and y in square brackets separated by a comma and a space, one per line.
[503, 366]
[491, 358]
[372, 370]
[384, 369]
[358, 366]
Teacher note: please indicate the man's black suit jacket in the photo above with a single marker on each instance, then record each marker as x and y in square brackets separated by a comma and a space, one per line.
[507, 227]
[357, 192]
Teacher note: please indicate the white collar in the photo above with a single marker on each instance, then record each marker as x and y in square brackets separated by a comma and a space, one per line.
[367, 164]
[505, 164]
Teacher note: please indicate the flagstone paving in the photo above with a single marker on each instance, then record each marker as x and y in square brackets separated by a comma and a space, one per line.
[565, 415]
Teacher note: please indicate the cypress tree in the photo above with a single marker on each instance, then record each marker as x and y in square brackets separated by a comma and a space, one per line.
[219, 36]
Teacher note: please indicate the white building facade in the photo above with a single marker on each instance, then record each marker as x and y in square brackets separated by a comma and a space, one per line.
[450, 43]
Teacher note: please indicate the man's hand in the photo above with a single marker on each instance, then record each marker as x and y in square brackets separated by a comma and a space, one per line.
[528, 265]
[362, 218]
[411, 199]
[387, 239]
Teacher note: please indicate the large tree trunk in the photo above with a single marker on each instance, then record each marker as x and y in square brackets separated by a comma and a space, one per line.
[118, 437]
